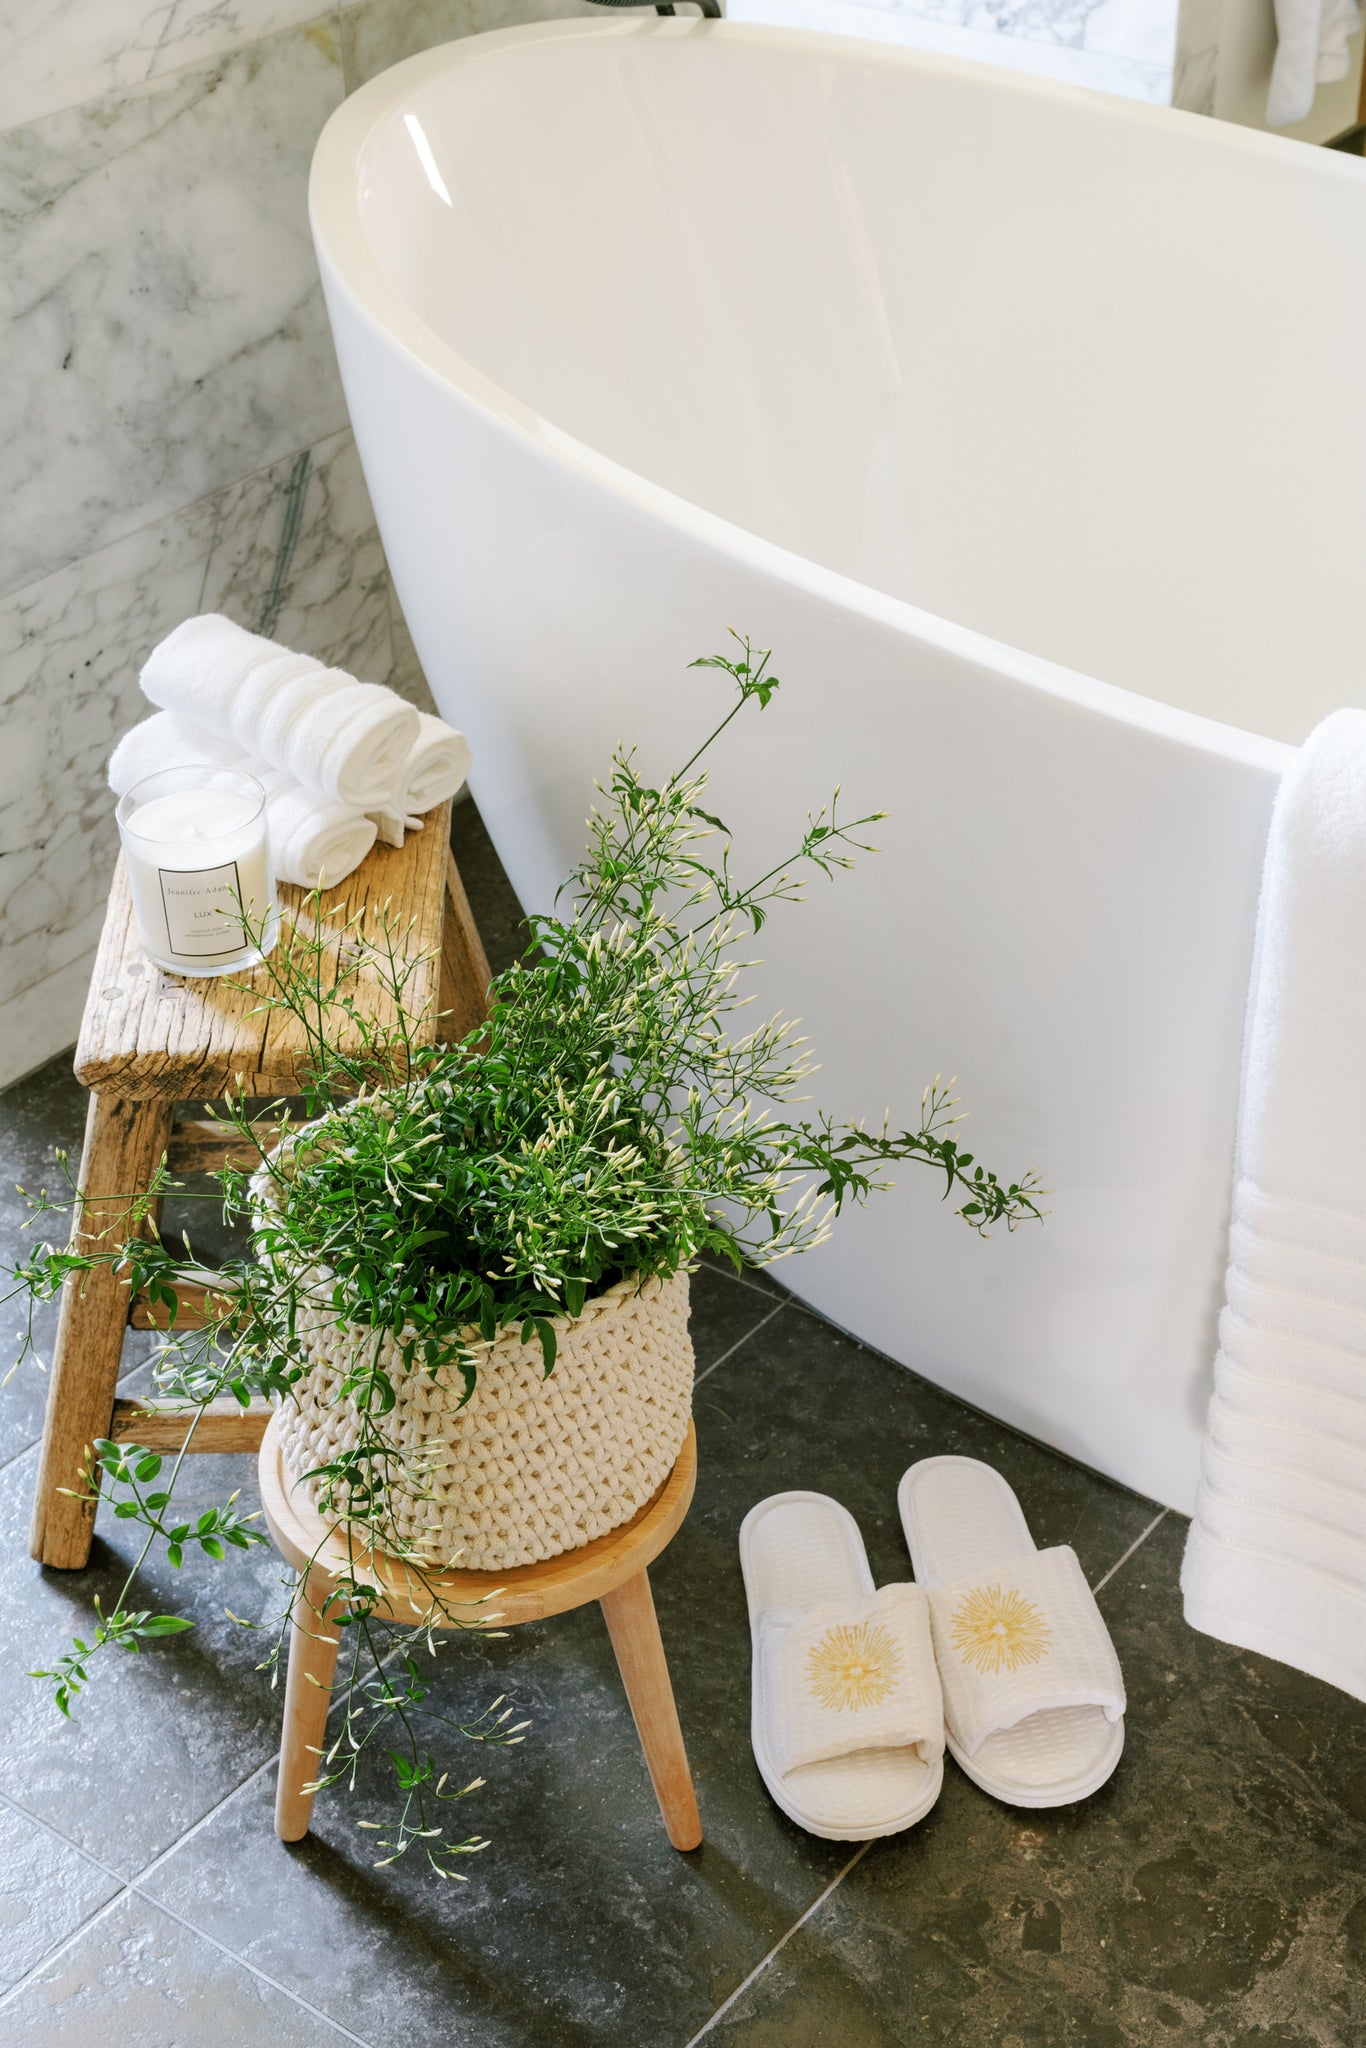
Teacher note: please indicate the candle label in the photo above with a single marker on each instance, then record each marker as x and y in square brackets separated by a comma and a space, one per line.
[203, 909]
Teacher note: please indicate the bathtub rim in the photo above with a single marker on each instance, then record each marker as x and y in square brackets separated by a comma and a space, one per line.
[350, 269]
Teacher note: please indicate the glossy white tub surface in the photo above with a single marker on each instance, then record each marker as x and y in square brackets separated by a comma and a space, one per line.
[1024, 426]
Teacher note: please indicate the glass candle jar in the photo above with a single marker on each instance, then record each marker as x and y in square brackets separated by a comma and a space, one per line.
[197, 854]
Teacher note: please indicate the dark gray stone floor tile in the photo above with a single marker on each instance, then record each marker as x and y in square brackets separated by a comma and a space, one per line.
[139, 1979]
[762, 1278]
[36, 1116]
[158, 1738]
[723, 1312]
[493, 901]
[802, 1406]
[1213, 1893]
[47, 1889]
[579, 1926]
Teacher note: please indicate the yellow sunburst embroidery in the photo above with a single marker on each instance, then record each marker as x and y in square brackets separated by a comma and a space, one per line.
[999, 1631]
[854, 1665]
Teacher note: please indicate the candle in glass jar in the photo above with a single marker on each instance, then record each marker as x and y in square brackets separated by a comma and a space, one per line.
[197, 854]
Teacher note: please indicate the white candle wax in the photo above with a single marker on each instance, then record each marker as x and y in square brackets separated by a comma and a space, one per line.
[198, 861]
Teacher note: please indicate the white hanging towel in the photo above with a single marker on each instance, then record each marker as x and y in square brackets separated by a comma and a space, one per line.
[1276, 1558]
[1312, 38]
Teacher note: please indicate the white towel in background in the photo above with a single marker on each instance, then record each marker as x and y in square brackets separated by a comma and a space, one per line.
[1276, 1558]
[434, 770]
[311, 838]
[1312, 38]
[349, 741]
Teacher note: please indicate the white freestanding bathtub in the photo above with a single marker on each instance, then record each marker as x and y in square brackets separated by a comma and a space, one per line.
[1025, 426]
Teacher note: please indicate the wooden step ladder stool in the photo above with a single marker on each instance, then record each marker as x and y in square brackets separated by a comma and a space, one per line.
[150, 1041]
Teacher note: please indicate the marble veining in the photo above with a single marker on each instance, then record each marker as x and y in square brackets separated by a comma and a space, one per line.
[155, 352]
[56, 53]
[1082, 42]
[291, 550]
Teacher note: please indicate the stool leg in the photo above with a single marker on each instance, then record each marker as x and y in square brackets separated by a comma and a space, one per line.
[463, 982]
[313, 1648]
[629, 1612]
[124, 1143]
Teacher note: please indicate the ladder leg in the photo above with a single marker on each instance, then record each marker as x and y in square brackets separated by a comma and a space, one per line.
[124, 1144]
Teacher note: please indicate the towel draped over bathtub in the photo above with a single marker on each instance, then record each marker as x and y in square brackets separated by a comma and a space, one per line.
[1276, 1558]
[1312, 38]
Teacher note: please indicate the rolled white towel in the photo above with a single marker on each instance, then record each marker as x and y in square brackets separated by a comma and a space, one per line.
[437, 765]
[165, 741]
[434, 770]
[347, 740]
[196, 669]
[312, 839]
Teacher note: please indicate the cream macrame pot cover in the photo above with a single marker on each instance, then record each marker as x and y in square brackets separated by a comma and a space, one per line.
[530, 1466]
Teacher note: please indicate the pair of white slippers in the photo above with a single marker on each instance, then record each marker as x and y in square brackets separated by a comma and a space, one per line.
[998, 1649]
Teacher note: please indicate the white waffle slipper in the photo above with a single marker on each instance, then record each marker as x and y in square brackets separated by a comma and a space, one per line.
[1033, 1693]
[848, 1718]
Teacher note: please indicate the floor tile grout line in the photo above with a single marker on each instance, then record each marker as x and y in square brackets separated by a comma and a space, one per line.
[728, 1272]
[55, 1955]
[129, 1886]
[235, 1956]
[739, 1342]
[1160, 1516]
[15, 1456]
[61, 1835]
[779, 1946]
[162, 1855]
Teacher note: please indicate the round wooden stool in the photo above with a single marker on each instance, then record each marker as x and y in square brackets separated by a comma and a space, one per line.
[612, 1570]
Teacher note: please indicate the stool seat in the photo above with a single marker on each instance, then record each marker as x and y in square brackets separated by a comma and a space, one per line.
[148, 1035]
[526, 1592]
[612, 1570]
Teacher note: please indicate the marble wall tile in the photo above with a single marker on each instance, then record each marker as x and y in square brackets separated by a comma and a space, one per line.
[165, 325]
[292, 551]
[946, 32]
[378, 33]
[56, 53]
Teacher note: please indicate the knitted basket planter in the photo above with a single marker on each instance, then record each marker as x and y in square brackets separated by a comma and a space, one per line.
[530, 1466]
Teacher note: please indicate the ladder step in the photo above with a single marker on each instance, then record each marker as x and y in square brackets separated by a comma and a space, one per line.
[146, 1315]
[223, 1425]
[202, 1145]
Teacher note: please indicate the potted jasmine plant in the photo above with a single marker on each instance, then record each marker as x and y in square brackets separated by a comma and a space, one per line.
[468, 1280]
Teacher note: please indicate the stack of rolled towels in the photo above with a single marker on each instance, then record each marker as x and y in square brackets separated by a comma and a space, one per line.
[342, 763]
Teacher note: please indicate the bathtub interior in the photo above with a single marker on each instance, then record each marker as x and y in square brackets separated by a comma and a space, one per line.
[1026, 357]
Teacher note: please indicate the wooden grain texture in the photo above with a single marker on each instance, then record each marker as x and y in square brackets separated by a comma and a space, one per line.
[528, 1592]
[313, 1647]
[152, 1035]
[629, 1611]
[203, 1145]
[223, 1425]
[464, 996]
[124, 1143]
